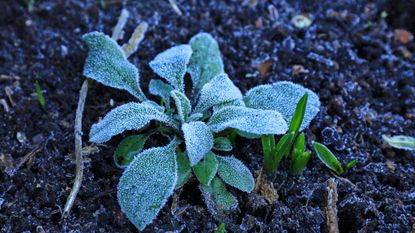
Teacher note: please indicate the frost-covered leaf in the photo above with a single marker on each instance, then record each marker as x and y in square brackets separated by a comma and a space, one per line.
[400, 142]
[130, 116]
[172, 64]
[198, 139]
[283, 97]
[147, 183]
[249, 120]
[161, 89]
[107, 64]
[217, 198]
[183, 104]
[238, 102]
[205, 62]
[195, 117]
[128, 148]
[206, 169]
[218, 90]
[184, 171]
[222, 144]
[235, 173]
[153, 104]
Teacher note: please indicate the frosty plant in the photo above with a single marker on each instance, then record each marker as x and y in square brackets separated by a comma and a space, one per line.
[197, 124]
[292, 143]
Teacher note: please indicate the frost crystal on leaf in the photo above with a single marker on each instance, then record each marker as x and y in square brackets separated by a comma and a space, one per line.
[161, 89]
[147, 183]
[183, 105]
[172, 64]
[283, 97]
[248, 120]
[198, 140]
[107, 64]
[127, 117]
[218, 90]
[235, 173]
[205, 62]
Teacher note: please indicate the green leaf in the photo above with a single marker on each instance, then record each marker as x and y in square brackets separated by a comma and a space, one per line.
[220, 228]
[128, 148]
[130, 116]
[235, 173]
[184, 170]
[222, 144]
[400, 142]
[183, 105]
[299, 112]
[198, 139]
[268, 149]
[205, 62]
[300, 143]
[106, 63]
[249, 120]
[351, 164]
[39, 94]
[282, 97]
[283, 147]
[217, 197]
[299, 162]
[328, 158]
[172, 64]
[161, 89]
[147, 183]
[217, 91]
[206, 169]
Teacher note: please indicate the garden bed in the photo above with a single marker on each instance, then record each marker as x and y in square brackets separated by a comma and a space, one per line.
[352, 56]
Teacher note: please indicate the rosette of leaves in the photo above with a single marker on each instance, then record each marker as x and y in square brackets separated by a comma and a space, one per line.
[197, 124]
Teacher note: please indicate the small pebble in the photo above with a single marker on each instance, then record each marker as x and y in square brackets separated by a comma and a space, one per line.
[301, 21]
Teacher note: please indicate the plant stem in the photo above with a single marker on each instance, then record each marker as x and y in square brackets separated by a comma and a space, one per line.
[79, 160]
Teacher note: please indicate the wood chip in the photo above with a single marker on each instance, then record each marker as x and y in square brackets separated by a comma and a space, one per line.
[403, 36]
[264, 67]
[266, 189]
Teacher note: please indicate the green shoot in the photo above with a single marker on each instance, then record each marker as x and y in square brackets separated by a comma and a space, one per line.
[39, 94]
[298, 116]
[351, 164]
[299, 162]
[268, 148]
[328, 158]
[30, 4]
[274, 153]
[220, 228]
[299, 157]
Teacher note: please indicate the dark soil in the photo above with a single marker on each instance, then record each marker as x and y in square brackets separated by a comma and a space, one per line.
[349, 56]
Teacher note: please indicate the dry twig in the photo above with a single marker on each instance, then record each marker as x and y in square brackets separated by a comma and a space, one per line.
[331, 209]
[79, 160]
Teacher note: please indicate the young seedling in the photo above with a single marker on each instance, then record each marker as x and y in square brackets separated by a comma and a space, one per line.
[400, 142]
[199, 126]
[39, 94]
[220, 228]
[328, 158]
[274, 154]
[299, 157]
